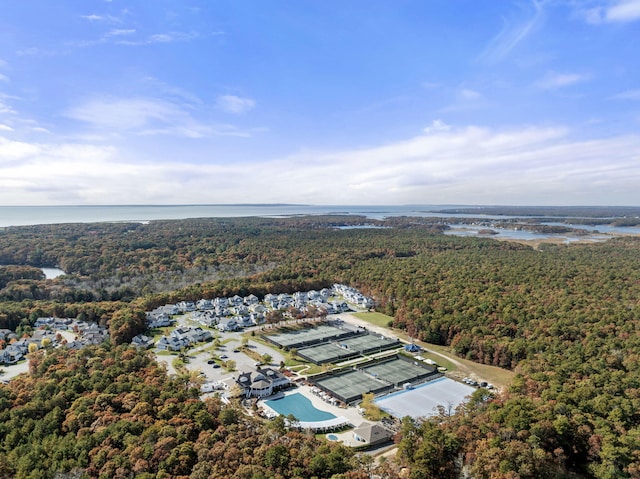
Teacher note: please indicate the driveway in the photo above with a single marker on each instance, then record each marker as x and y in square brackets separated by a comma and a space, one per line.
[13, 370]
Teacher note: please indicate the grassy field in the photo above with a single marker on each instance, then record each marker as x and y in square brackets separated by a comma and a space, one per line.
[377, 319]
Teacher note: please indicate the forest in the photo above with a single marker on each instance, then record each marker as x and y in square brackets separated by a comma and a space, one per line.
[565, 318]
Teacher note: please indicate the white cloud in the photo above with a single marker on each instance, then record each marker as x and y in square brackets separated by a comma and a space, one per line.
[161, 38]
[119, 32]
[124, 113]
[554, 80]
[513, 33]
[147, 116]
[427, 85]
[465, 99]
[627, 95]
[170, 37]
[4, 78]
[5, 127]
[5, 108]
[437, 126]
[235, 104]
[620, 11]
[34, 51]
[625, 11]
[101, 18]
[534, 165]
[469, 95]
[16, 150]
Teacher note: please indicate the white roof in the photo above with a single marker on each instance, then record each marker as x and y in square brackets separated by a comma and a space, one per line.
[329, 423]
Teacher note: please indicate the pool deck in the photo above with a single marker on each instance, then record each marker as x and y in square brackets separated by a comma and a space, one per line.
[350, 413]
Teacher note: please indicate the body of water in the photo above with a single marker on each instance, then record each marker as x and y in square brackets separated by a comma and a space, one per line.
[51, 273]
[39, 215]
[501, 233]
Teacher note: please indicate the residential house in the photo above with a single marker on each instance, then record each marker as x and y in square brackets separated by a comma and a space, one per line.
[7, 335]
[339, 306]
[204, 304]
[186, 306]
[236, 300]
[142, 341]
[12, 354]
[194, 335]
[172, 343]
[258, 308]
[228, 324]
[158, 320]
[221, 302]
[245, 321]
[206, 318]
[251, 299]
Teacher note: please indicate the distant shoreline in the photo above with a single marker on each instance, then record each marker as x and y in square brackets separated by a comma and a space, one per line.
[46, 215]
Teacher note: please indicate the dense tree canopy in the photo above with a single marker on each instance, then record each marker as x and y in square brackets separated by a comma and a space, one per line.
[564, 317]
[113, 413]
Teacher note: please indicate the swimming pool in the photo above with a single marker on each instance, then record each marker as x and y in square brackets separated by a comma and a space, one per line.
[300, 406]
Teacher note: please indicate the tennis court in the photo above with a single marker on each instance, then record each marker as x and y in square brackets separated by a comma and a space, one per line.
[424, 400]
[398, 371]
[326, 353]
[296, 338]
[369, 343]
[349, 386]
[346, 348]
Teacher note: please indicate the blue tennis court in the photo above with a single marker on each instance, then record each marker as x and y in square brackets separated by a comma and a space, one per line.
[300, 406]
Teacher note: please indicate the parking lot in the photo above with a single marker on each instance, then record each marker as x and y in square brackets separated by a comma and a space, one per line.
[228, 351]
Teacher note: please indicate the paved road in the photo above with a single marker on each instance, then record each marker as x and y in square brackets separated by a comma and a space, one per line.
[13, 370]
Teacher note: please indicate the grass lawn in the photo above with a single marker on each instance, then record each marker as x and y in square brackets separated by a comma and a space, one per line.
[157, 333]
[377, 319]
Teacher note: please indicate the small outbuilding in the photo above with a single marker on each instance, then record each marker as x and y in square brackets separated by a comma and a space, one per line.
[372, 434]
[412, 348]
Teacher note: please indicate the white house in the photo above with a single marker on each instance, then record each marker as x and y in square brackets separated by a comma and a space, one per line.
[264, 383]
[251, 299]
[228, 324]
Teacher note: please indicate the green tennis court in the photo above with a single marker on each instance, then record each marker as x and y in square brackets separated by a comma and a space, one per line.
[345, 348]
[326, 353]
[302, 337]
[349, 386]
[399, 371]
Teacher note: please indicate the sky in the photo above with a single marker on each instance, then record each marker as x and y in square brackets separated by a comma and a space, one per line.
[353, 102]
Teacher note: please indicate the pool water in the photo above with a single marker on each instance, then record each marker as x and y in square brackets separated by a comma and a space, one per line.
[332, 437]
[300, 406]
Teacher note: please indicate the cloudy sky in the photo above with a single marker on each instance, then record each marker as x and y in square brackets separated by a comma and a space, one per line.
[320, 102]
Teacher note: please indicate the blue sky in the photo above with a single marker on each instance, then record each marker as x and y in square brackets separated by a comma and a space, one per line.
[320, 102]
